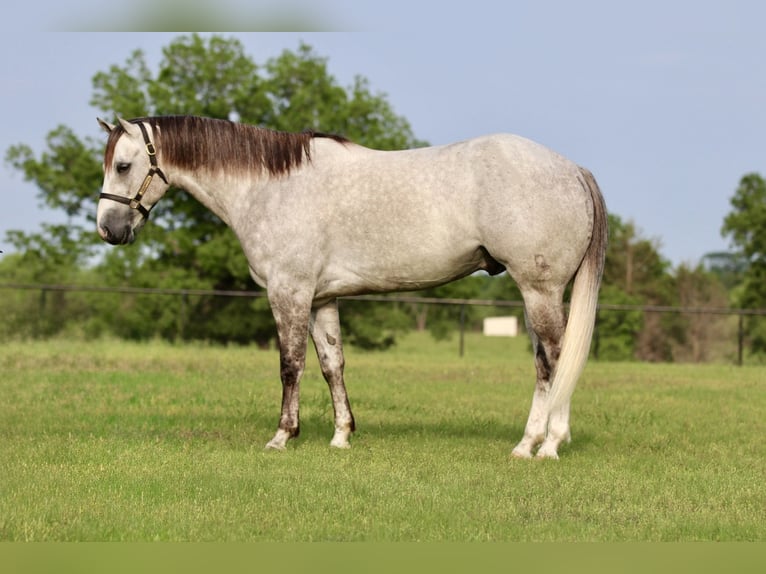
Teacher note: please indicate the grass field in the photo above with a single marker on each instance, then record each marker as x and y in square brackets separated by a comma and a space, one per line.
[118, 441]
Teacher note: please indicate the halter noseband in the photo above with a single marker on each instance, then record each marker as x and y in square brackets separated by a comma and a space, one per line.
[135, 201]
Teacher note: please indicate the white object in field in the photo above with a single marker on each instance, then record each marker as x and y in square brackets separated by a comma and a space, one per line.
[501, 326]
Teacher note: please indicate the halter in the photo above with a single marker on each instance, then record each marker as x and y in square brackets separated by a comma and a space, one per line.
[135, 201]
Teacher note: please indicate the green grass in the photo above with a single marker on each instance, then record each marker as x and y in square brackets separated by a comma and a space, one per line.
[120, 441]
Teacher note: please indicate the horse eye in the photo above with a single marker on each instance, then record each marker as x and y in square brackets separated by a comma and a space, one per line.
[122, 167]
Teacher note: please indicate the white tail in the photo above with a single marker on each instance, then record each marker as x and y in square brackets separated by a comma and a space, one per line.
[583, 305]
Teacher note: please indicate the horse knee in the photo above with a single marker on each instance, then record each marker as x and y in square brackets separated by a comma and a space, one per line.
[292, 363]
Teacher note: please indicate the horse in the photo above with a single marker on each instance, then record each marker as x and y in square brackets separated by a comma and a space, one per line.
[320, 217]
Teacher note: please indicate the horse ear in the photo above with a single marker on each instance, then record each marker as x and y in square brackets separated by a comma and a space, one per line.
[130, 128]
[107, 127]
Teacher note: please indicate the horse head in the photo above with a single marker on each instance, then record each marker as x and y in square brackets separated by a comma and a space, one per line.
[130, 189]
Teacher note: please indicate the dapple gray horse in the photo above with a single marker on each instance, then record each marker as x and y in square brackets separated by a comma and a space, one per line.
[320, 217]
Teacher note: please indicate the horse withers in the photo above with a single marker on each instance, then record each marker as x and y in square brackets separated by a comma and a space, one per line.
[320, 217]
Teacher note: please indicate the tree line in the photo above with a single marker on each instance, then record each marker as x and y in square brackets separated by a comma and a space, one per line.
[186, 246]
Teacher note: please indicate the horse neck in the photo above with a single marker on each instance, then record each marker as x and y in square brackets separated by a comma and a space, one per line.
[220, 194]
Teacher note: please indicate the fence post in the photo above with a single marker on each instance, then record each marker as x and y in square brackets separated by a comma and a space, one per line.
[462, 329]
[40, 327]
[595, 344]
[182, 316]
[740, 339]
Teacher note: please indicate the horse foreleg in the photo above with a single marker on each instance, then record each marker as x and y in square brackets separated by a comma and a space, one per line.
[325, 331]
[292, 319]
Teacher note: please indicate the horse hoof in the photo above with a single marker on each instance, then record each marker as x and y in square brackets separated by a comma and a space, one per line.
[279, 442]
[549, 454]
[340, 439]
[521, 454]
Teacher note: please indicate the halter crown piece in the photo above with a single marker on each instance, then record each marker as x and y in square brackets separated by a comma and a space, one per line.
[135, 201]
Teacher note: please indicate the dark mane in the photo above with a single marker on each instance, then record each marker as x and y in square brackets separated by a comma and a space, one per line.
[190, 142]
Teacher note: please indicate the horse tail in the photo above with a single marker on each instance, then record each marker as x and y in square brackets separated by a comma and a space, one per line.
[575, 345]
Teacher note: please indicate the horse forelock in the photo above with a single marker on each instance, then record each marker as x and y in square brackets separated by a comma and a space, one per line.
[193, 143]
[111, 143]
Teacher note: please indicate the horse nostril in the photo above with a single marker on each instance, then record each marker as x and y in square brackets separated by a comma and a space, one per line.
[109, 236]
[122, 236]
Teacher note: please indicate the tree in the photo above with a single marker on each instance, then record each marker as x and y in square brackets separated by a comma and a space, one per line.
[745, 225]
[635, 273]
[634, 263]
[48, 257]
[185, 244]
[699, 334]
[617, 331]
[728, 266]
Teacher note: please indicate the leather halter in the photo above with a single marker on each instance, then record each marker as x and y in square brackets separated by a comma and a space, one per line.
[135, 201]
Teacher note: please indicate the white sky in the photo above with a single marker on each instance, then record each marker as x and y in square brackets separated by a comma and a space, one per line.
[664, 101]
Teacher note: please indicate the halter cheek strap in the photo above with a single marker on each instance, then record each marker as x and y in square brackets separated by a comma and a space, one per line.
[135, 201]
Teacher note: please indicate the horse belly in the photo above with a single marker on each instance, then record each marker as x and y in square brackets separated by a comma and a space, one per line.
[389, 270]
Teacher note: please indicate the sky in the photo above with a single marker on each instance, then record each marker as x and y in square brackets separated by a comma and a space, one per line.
[665, 102]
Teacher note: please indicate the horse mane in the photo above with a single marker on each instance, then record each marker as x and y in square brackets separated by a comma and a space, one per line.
[191, 143]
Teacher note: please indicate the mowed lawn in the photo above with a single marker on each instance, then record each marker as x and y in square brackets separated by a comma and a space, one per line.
[118, 441]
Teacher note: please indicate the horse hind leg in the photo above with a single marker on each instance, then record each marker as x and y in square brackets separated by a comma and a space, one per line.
[325, 332]
[544, 314]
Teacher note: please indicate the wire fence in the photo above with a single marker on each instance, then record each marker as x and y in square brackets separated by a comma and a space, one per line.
[741, 314]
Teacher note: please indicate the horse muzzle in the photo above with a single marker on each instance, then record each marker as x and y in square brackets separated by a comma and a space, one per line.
[120, 235]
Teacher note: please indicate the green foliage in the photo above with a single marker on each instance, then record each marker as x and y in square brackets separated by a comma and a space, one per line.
[635, 273]
[302, 94]
[746, 226]
[635, 265]
[67, 174]
[373, 326]
[211, 77]
[728, 267]
[54, 255]
[616, 331]
[698, 337]
[123, 90]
